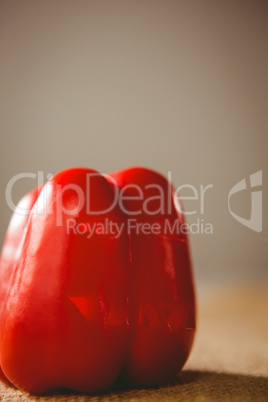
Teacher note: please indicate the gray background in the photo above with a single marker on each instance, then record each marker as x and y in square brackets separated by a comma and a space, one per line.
[176, 86]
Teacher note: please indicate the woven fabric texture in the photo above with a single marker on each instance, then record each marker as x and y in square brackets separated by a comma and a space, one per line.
[229, 361]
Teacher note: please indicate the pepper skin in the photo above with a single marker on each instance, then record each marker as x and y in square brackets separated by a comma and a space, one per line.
[81, 306]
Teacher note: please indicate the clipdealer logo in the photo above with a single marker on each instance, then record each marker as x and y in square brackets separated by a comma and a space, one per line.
[195, 194]
[255, 220]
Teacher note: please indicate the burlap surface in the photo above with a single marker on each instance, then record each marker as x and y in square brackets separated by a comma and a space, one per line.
[229, 361]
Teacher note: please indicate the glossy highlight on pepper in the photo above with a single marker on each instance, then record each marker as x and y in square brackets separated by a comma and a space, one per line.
[92, 285]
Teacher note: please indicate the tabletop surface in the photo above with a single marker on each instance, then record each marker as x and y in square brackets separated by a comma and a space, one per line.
[229, 360]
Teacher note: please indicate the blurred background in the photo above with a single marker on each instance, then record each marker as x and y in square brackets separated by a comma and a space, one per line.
[177, 86]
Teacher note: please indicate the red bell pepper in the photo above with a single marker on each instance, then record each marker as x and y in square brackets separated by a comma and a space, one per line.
[95, 283]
